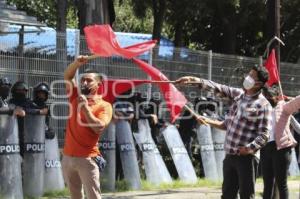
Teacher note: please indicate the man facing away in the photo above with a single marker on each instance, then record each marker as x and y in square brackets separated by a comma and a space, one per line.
[247, 126]
[89, 115]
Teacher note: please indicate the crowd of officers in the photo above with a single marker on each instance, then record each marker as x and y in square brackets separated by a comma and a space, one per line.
[20, 105]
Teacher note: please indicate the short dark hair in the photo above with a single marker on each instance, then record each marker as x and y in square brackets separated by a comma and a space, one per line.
[93, 71]
[262, 73]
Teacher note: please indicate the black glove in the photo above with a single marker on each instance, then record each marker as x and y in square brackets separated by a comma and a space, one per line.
[50, 134]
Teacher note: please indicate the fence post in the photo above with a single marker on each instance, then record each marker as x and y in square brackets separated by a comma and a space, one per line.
[77, 50]
[209, 65]
[260, 60]
[149, 85]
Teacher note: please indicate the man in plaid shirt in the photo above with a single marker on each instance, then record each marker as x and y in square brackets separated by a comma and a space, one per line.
[247, 126]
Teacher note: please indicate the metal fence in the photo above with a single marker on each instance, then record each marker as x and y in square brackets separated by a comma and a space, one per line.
[34, 63]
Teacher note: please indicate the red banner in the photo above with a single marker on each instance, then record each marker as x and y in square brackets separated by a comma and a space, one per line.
[102, 41]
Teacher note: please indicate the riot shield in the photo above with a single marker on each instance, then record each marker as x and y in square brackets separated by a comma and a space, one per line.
[10, 159]
[218, 137]
[155, 168]
[179, 154]
[128, 154]
[207, 152]
[34, 155]
[53, 178]
[294, 169]
[107, 147]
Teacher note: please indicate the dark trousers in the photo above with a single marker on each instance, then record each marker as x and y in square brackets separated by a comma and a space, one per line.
[239, 175]
[275, 166]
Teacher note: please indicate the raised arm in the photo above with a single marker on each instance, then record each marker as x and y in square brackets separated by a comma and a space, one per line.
[211, 86]
[71, 71]
[292, 106]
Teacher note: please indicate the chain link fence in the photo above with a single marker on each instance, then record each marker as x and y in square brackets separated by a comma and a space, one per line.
[43, 56]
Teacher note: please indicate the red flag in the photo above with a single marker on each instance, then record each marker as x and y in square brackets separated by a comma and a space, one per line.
[174, 99]
[102, 41]
[111, 88]
[271, 66]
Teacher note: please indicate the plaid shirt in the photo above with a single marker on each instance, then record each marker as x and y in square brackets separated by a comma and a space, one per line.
[248, 122]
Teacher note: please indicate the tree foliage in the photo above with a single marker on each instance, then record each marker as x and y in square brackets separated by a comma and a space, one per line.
[46, 11]
[227, 26]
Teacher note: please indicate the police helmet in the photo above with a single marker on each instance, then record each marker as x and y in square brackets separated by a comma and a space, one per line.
[41, 87]
[5, 81]
[19, 85]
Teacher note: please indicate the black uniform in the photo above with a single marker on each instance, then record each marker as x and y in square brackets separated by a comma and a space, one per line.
[40, 103]
[19, 91]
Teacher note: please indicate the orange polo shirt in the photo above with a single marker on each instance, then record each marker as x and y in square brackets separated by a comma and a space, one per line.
[80, 139]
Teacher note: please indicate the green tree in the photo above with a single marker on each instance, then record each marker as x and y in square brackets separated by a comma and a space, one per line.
[50, 12]
[158, 8]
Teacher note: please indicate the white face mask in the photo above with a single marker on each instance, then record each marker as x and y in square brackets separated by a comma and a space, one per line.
[248, 83]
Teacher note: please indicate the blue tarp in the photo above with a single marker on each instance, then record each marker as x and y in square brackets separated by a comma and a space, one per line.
[45, 42]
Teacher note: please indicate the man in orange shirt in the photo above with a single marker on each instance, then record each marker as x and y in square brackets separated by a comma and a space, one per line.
[89, 115]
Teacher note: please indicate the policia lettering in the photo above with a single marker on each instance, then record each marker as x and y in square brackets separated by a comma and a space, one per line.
[9, 149]
[107, 145]
[149, 147]
[52, 164]
[34, 147]
[127, 147]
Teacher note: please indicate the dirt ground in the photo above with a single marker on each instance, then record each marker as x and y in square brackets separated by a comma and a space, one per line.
[192, 193]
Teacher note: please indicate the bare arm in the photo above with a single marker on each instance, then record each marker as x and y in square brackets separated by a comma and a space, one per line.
[71, 71]
[214, 123]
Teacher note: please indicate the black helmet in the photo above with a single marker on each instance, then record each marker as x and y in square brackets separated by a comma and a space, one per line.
[19, 85]
[5, 81]
[41, 87]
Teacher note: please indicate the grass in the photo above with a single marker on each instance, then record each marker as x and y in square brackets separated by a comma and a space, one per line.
[180, 184]
[56, 194]
[147, 186]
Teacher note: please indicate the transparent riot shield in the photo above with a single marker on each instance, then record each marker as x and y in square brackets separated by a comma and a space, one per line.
[218, 137]
[107, 147]
[34, 155]
[53, 178]
[128, 154]
[207, 152]
[155, 168]
[179, 154]
[10, 159]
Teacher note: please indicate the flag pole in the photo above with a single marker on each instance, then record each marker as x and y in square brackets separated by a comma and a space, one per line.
[195, 114]
[92, 57]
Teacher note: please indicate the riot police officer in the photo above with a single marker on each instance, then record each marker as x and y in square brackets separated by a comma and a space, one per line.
[5, 85]
[40, 96]
[19, 92]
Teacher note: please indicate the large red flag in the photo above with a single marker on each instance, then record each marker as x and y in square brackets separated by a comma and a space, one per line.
[102, 41]
[111, 88]
[173, 98]
[271, 66]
